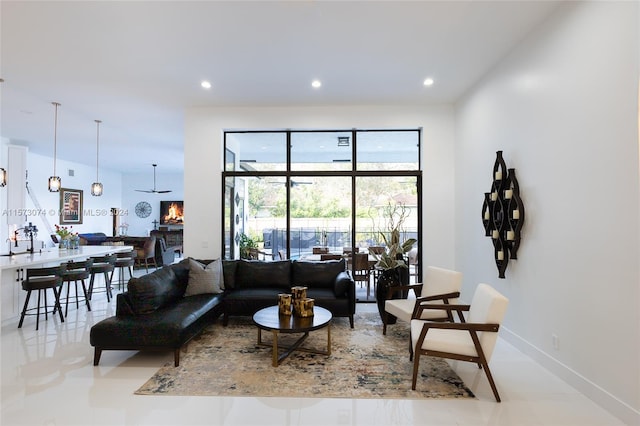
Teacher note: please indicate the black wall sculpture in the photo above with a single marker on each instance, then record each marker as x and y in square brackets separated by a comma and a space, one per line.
[503, 214]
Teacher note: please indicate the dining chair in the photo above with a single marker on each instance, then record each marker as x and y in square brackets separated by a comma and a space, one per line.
[147, 253]
[362, 271]
[472, 340]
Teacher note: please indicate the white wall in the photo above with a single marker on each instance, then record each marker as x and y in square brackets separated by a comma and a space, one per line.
[203, 163]
[130, 197]
[564, 109]
[97, 215]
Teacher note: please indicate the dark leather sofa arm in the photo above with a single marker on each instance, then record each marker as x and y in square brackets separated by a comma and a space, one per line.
[345, 286]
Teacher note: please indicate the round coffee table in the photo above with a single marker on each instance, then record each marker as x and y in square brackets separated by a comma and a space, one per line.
[269, 319]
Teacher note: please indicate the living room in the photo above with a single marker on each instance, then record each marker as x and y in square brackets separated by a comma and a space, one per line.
[563, 107]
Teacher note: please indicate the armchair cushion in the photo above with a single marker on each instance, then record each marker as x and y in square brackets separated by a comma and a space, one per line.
[458, 342]
[404, 309]
[204, 279]
[400, 308]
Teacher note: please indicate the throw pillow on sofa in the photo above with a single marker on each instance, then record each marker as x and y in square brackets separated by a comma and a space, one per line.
[204, 278]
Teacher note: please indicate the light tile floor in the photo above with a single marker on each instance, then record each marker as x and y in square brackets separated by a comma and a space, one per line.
[48, 379]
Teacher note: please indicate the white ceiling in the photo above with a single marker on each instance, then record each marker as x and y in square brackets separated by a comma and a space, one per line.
[138, 65]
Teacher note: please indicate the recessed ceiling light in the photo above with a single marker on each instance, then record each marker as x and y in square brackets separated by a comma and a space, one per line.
[205, 84]
[428, 82]
[316, 83]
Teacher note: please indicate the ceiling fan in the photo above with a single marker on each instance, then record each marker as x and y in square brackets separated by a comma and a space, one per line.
[154, 191]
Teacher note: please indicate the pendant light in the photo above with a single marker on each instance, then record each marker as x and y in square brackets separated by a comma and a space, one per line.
[54, 181]
[96, 187]
[3, 172]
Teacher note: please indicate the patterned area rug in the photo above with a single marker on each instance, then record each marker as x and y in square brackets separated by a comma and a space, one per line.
[226, 361]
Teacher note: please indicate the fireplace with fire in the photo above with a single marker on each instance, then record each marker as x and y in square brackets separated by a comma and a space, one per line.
[171, 213]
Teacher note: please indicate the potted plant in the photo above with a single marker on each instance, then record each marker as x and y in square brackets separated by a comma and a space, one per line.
[391, 265]
[246, 245]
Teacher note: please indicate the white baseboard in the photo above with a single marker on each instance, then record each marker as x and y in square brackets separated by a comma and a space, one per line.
[600, 396]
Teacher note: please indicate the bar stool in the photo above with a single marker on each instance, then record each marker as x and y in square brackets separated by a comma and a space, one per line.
[102, 265]
[42, 279]
[77, 271]
[124, 261]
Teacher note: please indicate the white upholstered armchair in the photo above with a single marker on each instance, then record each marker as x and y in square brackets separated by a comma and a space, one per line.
[472, 341]
[439, 286]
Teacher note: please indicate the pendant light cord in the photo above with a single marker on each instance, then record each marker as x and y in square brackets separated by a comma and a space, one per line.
[97, 146]
[55, 136]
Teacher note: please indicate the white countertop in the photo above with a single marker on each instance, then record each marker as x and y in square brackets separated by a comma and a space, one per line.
[55, 255]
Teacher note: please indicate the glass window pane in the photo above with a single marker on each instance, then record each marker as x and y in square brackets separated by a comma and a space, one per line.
[388, 150]
[266, 215]
[256, 151]
[381, 201]
[321, 151]
[320, 214]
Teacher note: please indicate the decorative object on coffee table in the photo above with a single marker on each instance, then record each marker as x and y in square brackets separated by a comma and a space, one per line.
[269, 319]
[302, 305]
[298, 292]
[303, 308]
[284, 304]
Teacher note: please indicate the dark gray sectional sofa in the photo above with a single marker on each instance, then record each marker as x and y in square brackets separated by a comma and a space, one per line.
[155, 314]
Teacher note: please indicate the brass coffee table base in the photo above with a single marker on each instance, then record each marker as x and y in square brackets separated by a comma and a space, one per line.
[277, 357]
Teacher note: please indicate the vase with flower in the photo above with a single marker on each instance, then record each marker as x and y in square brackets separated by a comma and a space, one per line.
[66, 236]
[391, 265]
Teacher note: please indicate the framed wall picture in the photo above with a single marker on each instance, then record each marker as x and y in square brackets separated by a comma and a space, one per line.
[70, 206]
